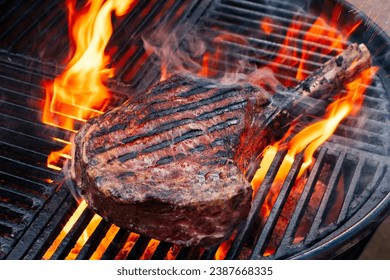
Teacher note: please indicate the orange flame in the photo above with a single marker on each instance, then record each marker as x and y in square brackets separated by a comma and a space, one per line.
[322, 38]
[266, 25]
[133, 237]
[68, 226]
[79, 93]
[224, 248]
[308, 140]
[152, 245]
[314, 135]
[173, 252]
[311, 137]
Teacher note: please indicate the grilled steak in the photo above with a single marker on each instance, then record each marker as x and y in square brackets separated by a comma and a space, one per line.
[172, 162]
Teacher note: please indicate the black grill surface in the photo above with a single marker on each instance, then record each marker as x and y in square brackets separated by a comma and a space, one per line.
[353, 166]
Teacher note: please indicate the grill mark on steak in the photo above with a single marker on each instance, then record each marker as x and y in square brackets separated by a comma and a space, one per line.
[218, 96]
[191, 134]
[124, 157]
[224, 124]
[197, 149]
[176, 82]
[224, 93]
[197, 90]
[162, 128]
[212, 133]
[165, 160]
[220, 110]
[171, 125]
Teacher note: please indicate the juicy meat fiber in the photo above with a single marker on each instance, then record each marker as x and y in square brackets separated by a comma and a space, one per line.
[166, 164]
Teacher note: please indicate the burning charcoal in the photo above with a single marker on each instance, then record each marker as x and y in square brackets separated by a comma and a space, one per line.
[171, 163]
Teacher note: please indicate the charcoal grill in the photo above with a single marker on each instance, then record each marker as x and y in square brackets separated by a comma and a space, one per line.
[35, 205]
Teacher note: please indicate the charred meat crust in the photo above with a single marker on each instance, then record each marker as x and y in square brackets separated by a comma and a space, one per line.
[163, 164]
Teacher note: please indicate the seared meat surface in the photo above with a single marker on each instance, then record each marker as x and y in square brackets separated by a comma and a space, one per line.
[173, 163]
[166, 164]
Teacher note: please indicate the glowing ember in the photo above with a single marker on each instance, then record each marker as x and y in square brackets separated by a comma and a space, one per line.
[153, 243]
[106, 241]
[172, 253]
[224, 248]
[79, 92]
[133, 237]
[72, 220]
[84, 237]
[266, 25]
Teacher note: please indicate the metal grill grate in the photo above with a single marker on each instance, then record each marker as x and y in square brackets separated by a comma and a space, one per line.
[353, 167]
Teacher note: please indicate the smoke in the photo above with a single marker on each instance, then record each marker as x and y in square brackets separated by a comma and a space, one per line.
[223, 57]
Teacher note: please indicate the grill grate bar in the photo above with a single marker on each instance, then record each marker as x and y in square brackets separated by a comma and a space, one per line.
[13, 211]
[243, 234]
[347, 142]
[301, 205]
[25, 156]
[376, 127]
[57, 22]
[272, 40]
[277, 208]
[139, 248]
[22, 34]
[209, 254]
[27, 123]
[71, 238]
[15, 227]
[40, 185]
[357, 203]
[25, 150]
[27, 199]
[183, 253]
[236, 14]
[245, 14]
[94, 240]
[370, 132]
[351, 190]
[20, 17]
[33, 244]
[7, 10]
[116, 245]
[243, 11]
[35, 130]
[334, 177]
[161, 251]
[34, 142]
[155, 9]
[259, 60]
[26, 166]
[126, 74]
[269, 9]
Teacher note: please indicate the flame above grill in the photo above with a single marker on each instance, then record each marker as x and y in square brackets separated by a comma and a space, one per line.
[80, 93]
